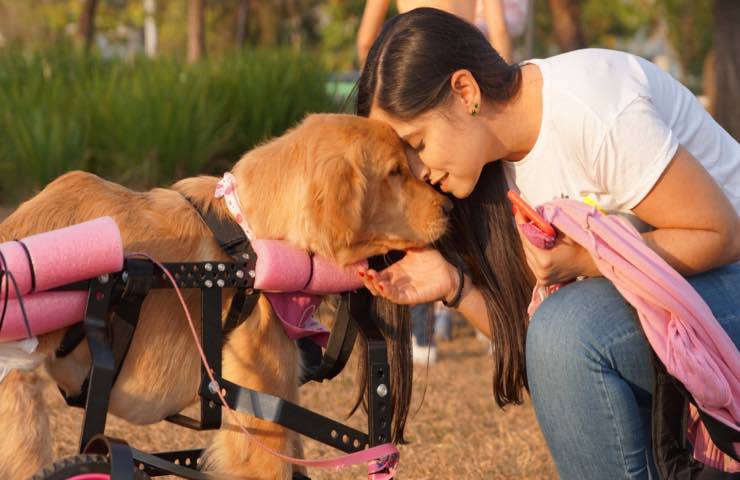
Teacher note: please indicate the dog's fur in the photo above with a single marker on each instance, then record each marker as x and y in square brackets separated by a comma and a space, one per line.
[336, 184]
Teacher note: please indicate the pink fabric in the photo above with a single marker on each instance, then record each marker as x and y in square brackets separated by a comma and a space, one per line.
[46, 312]
[65, 255]
[296, 312]
[677, 322]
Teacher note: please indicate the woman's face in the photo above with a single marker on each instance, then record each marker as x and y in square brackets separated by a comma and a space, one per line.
[447, 146]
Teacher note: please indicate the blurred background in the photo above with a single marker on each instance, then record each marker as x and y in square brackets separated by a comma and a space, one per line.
[147, 91]
[144, 92]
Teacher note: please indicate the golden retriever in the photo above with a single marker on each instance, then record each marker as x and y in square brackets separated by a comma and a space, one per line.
[336, 184]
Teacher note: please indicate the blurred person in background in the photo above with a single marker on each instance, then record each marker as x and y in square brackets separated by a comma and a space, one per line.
[487, 14]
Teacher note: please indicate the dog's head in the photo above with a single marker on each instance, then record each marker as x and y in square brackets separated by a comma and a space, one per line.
[340, 186]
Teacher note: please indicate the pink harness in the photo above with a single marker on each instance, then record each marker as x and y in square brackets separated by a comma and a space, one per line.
[677, 322]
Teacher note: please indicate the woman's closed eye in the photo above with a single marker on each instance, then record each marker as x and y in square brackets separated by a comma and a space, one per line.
[419, 147]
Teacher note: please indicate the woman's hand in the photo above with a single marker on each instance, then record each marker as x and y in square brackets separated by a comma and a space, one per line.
[565, 261]
[422, 276]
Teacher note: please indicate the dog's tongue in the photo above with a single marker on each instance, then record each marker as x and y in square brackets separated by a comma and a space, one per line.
[295, 310]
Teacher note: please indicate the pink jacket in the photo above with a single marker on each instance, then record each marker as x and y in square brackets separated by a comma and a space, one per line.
[678, 323]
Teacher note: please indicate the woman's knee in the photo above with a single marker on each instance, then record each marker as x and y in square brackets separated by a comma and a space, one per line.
[575, 326]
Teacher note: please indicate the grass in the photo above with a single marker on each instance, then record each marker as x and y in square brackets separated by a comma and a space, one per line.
[144, 122]
[456, 433]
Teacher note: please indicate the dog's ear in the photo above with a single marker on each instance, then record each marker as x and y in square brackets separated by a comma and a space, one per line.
[336, 196]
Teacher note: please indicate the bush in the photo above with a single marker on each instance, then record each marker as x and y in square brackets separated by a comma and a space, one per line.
[147, 121]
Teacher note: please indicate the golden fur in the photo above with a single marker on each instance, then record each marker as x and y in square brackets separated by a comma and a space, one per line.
[336, 184]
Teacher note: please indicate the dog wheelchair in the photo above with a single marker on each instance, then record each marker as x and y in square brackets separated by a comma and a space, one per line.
[113, 305]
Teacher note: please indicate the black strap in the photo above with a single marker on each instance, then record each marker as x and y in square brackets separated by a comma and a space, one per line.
[301, 420]
[72, 337]
[228, 234]
[338, 350]
[671, 448]
[310, 271]
[722, 435]
[234, 242]
[30, 266]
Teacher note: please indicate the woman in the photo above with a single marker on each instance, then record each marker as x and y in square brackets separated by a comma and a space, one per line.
[489, 14]
[599, 124]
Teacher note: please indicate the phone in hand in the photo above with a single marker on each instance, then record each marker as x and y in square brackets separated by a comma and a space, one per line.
[530, 214]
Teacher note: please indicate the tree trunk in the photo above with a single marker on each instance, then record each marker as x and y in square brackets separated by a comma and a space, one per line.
[86, 23]
[196, 30]
[242, 10]
[150, 28]
[566, 22]
[727, 64]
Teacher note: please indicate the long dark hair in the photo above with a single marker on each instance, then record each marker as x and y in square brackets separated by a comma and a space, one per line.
[407, 73]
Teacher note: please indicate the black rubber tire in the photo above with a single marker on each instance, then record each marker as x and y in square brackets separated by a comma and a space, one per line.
[79, 464]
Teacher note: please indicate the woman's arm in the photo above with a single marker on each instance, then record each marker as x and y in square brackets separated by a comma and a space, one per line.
[493, 11]
[372, 20]
[697, 228]
[473, 308]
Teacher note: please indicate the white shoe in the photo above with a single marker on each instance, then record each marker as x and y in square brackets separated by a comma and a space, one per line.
[423, 354]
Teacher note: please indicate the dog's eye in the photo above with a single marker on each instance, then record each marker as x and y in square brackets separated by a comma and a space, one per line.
[396, 172]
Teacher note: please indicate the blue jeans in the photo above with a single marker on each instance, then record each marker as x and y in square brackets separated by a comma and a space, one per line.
[422, 323]
[591, 378]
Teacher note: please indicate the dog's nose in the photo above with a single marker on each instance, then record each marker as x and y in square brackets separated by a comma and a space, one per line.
[447, 205]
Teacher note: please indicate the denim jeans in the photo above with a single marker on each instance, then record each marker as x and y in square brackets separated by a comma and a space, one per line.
[422, 318]
[590, 374]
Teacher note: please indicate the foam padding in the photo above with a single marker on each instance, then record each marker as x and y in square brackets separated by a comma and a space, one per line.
[282, 267]
[46, 311]
[328, 277]
[65, 255]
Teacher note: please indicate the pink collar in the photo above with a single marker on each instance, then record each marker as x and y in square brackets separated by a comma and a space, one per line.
[294, 309]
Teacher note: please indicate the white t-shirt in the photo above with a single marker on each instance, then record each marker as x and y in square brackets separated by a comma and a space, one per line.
[611, 123]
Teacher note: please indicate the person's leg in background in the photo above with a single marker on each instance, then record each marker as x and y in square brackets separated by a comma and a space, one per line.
[423, 348]
[590, 374]
[442, 322]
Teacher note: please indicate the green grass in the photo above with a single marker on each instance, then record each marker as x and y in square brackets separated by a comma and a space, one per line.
[144, 122]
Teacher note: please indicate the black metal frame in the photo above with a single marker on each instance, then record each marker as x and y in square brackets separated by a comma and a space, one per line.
[107, 354]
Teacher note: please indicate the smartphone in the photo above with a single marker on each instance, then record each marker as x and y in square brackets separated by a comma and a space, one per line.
[530, 214]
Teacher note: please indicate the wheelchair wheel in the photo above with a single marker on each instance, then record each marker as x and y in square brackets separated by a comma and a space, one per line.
[81, 467]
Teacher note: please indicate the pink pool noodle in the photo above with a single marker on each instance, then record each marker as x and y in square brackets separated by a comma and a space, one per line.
[66, 255]
[46, 311]
[282, 267]
[328, 277]
[16, 261]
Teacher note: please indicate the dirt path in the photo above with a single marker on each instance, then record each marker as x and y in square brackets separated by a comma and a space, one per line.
[458, 433]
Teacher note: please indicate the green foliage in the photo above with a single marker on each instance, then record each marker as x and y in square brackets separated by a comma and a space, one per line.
[144, 122]
[690, 30]
[339, 34]
[607, 21]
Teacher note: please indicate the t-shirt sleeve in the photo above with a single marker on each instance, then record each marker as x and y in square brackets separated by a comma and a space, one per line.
[635, 151]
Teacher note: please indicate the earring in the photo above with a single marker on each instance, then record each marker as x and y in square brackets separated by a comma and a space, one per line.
[476, 107]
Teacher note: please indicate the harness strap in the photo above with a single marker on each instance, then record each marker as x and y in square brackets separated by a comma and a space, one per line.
[229, 235]
[233, 241]
[341, 342]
